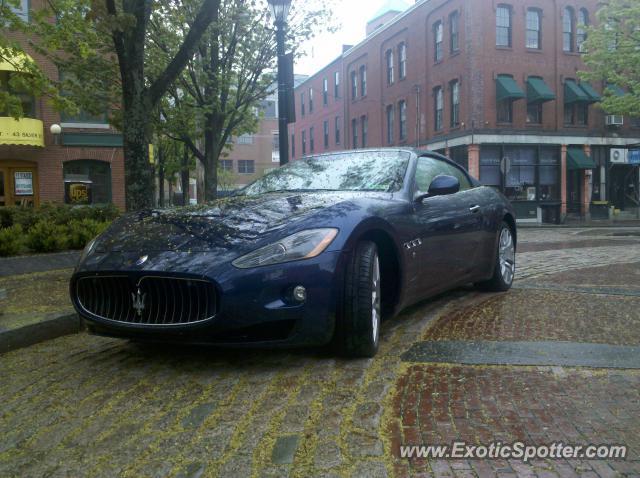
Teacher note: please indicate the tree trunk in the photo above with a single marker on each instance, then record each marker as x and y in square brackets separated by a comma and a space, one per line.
[170, 193]
[138, 98]
[161, 177]
[211, 154]
[138, 170]
[184, 176]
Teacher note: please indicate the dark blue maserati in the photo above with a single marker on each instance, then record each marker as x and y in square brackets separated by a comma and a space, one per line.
[316, 252]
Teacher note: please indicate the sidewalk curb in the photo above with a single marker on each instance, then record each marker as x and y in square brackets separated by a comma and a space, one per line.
[52, 328]
[592, 225]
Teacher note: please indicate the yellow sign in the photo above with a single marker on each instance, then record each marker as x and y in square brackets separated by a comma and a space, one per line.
[14, 60]
[24, 132]
[78, 193]
[152, 158]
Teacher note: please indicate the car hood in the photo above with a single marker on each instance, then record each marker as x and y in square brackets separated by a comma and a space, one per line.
[224, 224]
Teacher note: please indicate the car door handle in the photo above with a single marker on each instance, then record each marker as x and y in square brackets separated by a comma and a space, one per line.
[475, 209]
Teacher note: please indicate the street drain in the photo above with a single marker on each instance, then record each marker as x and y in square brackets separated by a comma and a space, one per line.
[567, 354]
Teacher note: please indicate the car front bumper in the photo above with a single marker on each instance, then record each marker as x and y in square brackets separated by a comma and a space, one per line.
[254, 307]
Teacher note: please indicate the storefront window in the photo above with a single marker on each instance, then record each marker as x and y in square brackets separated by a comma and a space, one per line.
[549, 174]
[95, 178]
[460, 155]
[522, 173]
[520, 182]
[490, 157]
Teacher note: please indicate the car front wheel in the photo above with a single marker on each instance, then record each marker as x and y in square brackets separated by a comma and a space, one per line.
[359, 317]
[505, 265]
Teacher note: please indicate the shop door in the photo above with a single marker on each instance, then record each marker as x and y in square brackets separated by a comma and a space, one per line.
[624, 186]
[18, 185]
[574, 193]
[3, 186]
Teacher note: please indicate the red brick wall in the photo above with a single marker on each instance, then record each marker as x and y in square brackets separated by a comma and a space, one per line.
[51, 158]
[321, 112]
[260, 150]
[476, 66]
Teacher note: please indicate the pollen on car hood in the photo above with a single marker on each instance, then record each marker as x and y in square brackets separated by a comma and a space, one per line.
[225, 223]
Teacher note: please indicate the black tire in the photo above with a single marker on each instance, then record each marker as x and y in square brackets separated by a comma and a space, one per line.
[504, 268]
[359, 317]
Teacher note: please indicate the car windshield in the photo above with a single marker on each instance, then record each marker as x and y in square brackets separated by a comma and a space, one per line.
[359, 171]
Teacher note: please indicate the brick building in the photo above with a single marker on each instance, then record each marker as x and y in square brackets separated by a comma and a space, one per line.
[252, 155]
[36, 167]
[494, 85]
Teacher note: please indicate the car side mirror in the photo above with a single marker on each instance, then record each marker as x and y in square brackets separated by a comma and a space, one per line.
[442, 185]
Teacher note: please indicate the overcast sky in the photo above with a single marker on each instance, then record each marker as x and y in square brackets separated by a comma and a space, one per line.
[352, 15]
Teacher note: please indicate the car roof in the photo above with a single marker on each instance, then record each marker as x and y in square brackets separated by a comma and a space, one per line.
[414, 151]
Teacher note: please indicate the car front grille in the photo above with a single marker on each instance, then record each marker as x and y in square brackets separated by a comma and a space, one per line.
[151, 301]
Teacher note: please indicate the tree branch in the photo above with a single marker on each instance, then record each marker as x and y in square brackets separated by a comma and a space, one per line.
[206, 14]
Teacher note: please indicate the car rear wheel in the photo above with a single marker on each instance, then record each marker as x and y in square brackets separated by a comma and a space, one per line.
[360, 318]
[505, 265]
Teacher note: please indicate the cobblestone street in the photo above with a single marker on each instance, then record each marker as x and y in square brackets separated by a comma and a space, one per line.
[87, 406]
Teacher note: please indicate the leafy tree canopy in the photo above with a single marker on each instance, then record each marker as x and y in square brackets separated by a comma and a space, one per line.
[613, 55]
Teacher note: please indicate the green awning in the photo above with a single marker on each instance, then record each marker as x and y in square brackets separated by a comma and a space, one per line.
[92, 140]
[538, 91]
[507, 88]
[574, 94]
[594, 97]
[577, 159]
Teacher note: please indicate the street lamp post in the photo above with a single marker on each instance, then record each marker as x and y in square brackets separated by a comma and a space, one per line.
[280, 10]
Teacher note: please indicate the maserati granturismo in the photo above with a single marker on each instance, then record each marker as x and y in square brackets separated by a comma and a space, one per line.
[317, 252]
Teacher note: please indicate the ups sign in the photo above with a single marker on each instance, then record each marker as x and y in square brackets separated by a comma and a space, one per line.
[77, 193]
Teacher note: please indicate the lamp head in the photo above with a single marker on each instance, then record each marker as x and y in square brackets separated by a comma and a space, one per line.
[56, 129]
[280, 9]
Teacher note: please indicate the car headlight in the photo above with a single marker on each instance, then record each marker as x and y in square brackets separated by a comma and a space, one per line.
[302, 245]
[88, 249]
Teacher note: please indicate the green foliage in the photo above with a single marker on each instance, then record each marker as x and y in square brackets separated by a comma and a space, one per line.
[46, 236]
[51, 228]
[81, 232]
[613, 55]
[11, 241]
[29, 79]
[226, 180]
[57, 214]
[6, 217]
[217, 95]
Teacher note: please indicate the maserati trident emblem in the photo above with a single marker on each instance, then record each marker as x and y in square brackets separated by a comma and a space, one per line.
[142, 260]
[138, 302]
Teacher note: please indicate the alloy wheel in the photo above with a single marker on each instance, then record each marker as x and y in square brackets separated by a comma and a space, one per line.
[507, 254]
[375, 300]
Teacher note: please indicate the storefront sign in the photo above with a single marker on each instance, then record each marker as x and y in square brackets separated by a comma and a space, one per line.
[77, 193]
[25, 132]
[23, 181]
[634, 156]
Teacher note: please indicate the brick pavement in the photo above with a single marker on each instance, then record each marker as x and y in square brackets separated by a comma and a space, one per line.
[440, 404]
[86, 406]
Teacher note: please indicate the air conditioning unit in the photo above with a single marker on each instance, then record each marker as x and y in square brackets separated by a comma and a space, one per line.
[614, 120]
[618, 156]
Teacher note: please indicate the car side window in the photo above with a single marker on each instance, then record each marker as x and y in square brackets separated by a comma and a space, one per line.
[462, 177]
[427, 169]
